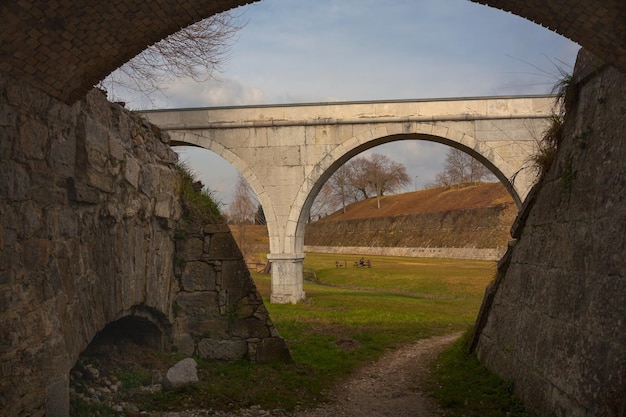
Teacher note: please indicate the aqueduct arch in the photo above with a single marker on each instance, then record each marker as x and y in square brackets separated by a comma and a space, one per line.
[333, 162]
[64, 50]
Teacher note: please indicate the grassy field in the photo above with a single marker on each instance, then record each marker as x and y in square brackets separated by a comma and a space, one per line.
[398, 300]
[349, 318]
[352, 315]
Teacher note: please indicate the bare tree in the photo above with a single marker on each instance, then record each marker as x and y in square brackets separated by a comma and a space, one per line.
[324, 203]
[243, 208]
[196, 51]
[242, 212]
[461, 167]
[359, 168]
[341, 185]
[362, 177]
[385, 176]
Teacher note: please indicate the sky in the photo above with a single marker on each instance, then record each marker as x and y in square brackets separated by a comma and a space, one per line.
[304, 51]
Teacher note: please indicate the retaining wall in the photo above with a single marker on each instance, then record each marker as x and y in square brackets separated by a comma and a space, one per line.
[556, 323]
[445, 253]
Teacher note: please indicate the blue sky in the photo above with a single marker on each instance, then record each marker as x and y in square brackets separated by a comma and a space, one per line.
[294, 51]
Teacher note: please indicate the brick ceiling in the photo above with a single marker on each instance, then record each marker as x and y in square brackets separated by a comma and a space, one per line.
[64, 47]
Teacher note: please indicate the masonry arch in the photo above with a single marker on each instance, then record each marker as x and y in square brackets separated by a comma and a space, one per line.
[197, 140]
[333, 161]
[143, 324]
[84, 44]
[139, 326]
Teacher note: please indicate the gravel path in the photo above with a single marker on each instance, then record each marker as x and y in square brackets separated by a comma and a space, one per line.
[389, 387]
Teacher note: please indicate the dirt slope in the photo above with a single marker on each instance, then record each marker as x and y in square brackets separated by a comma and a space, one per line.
[477, 216]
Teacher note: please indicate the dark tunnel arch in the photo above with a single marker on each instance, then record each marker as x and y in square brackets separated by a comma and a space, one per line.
[64, 50]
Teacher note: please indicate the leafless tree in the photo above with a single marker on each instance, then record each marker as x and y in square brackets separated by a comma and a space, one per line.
[242, 212]
[324, 203]
[461, 167]
[243, 208]
[362, 177]
[385, 176]
[359, 168]
[196, 52]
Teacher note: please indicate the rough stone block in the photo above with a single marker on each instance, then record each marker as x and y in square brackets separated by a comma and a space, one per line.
[58, 399]
[197, 305]
[162, 208]
[247, 328]
[235, 278]
[217, 328]
[222, 349]
[33, 137]
[16, 182]
[223, 246]
[81, 193]
[184, 344]
[131, 172]
[189, 249]
[183, 373]
[273, 349]
[198, 276]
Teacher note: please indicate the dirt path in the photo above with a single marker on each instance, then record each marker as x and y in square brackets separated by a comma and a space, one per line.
[390, 387]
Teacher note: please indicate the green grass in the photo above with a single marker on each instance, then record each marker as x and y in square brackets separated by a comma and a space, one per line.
[350, 317]
[462, 385]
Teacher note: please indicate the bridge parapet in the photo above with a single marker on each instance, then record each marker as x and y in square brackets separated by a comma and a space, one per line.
[349, 113]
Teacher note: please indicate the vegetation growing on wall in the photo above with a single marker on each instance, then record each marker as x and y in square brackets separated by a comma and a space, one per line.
[565, 97]
[199, 204]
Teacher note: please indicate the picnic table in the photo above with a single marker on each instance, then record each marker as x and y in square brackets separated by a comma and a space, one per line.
[362, 263]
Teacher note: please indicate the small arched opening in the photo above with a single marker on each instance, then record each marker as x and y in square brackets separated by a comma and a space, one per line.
[122, 357]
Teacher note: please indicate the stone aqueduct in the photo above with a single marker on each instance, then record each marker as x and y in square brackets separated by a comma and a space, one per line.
[288, 152]
[555, 325]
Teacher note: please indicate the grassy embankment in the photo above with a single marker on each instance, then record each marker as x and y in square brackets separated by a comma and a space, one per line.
[350, 318]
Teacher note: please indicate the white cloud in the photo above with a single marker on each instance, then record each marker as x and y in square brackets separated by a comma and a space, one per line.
[213, 92]
[330, 50]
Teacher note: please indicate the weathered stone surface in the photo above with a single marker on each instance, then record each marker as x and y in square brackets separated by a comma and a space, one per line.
[222, 349]
[184, 344]
[218, 304]
[198, 276]
[223, 247]
[200, 304]
[273, 349]
[250, 328]
[556, 322]
[189, 249]
[232, 276]
[183, 373]
[88, 210]
[205, 327]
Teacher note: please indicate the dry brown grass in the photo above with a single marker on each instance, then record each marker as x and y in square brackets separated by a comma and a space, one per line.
[434, 200]
[254, 241]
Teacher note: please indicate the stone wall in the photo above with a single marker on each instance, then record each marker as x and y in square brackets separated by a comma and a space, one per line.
[81, 243]
[556, 325]
[89, 209]
[477, 227]
[219, 312]
[446, 253]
